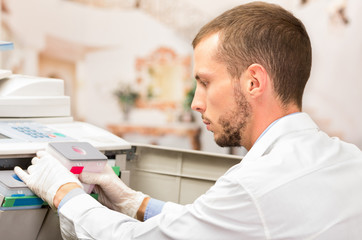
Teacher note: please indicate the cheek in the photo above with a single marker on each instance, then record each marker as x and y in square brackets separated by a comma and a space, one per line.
[221, 99]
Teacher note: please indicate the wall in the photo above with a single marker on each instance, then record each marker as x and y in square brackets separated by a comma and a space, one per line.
[333, 94]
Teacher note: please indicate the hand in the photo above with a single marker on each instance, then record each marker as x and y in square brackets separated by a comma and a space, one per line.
[45, 176]
[112, 192]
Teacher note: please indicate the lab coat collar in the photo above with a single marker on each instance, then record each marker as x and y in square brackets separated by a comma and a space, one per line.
[287, 124]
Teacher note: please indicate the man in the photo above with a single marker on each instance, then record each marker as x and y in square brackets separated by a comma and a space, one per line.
[251, 67]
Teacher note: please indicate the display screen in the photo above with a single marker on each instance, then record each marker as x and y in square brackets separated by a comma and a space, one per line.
[2, 136]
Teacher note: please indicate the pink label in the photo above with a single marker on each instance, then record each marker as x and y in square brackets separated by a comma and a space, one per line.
[76, 169]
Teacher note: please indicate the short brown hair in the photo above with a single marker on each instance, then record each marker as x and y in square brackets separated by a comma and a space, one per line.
[269, 35]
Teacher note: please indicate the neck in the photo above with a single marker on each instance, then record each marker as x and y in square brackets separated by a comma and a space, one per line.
[262, 119]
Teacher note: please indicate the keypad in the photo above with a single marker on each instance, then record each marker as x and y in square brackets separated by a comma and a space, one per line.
[32, 132]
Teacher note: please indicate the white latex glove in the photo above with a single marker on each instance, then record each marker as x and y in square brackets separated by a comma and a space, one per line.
[112, 192]
[45, 176]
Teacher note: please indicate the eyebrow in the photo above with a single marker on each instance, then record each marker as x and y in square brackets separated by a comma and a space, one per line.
[199, 76]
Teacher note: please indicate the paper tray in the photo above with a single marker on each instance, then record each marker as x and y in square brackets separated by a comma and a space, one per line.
[14, 194]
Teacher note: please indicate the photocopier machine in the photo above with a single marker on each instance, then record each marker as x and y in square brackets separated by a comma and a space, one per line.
[35, 113]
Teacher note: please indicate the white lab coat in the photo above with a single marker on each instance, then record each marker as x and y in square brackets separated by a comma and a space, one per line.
[295, 183]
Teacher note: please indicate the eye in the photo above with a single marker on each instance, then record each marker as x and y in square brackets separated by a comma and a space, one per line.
[203, 83]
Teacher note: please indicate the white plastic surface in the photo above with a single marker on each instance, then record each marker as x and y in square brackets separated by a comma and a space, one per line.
[79, 131]
[176, 175]
[9, 185]
[4, 73]
[26, 96]
[22, 85]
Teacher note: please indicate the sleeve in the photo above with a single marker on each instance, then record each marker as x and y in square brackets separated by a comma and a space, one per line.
[226, 211]
[83, 217]
[71, 194]
[154, 207]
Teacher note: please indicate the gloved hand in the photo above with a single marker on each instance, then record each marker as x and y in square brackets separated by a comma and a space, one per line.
[112, 192]
[45, 176]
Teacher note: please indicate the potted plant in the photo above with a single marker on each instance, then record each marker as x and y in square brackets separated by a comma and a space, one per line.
[127, 97]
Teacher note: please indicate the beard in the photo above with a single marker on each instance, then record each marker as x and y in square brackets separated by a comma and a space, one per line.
[234, 122]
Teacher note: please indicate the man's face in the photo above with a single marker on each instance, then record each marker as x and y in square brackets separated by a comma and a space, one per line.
[218, 97]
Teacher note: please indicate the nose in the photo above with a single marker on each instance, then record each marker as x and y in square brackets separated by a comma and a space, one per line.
[198, 103]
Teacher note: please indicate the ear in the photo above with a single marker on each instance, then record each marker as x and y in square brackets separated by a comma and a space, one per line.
[257, 81]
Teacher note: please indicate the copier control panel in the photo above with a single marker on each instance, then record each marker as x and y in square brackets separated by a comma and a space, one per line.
[29, 132]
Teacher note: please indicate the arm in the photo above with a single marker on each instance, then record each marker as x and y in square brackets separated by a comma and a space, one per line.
[224, 212]
[67, 188]
[63, 191]
[113, 193]
[141, 211]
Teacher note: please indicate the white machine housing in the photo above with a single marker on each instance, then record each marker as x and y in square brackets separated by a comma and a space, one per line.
[26, 96]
